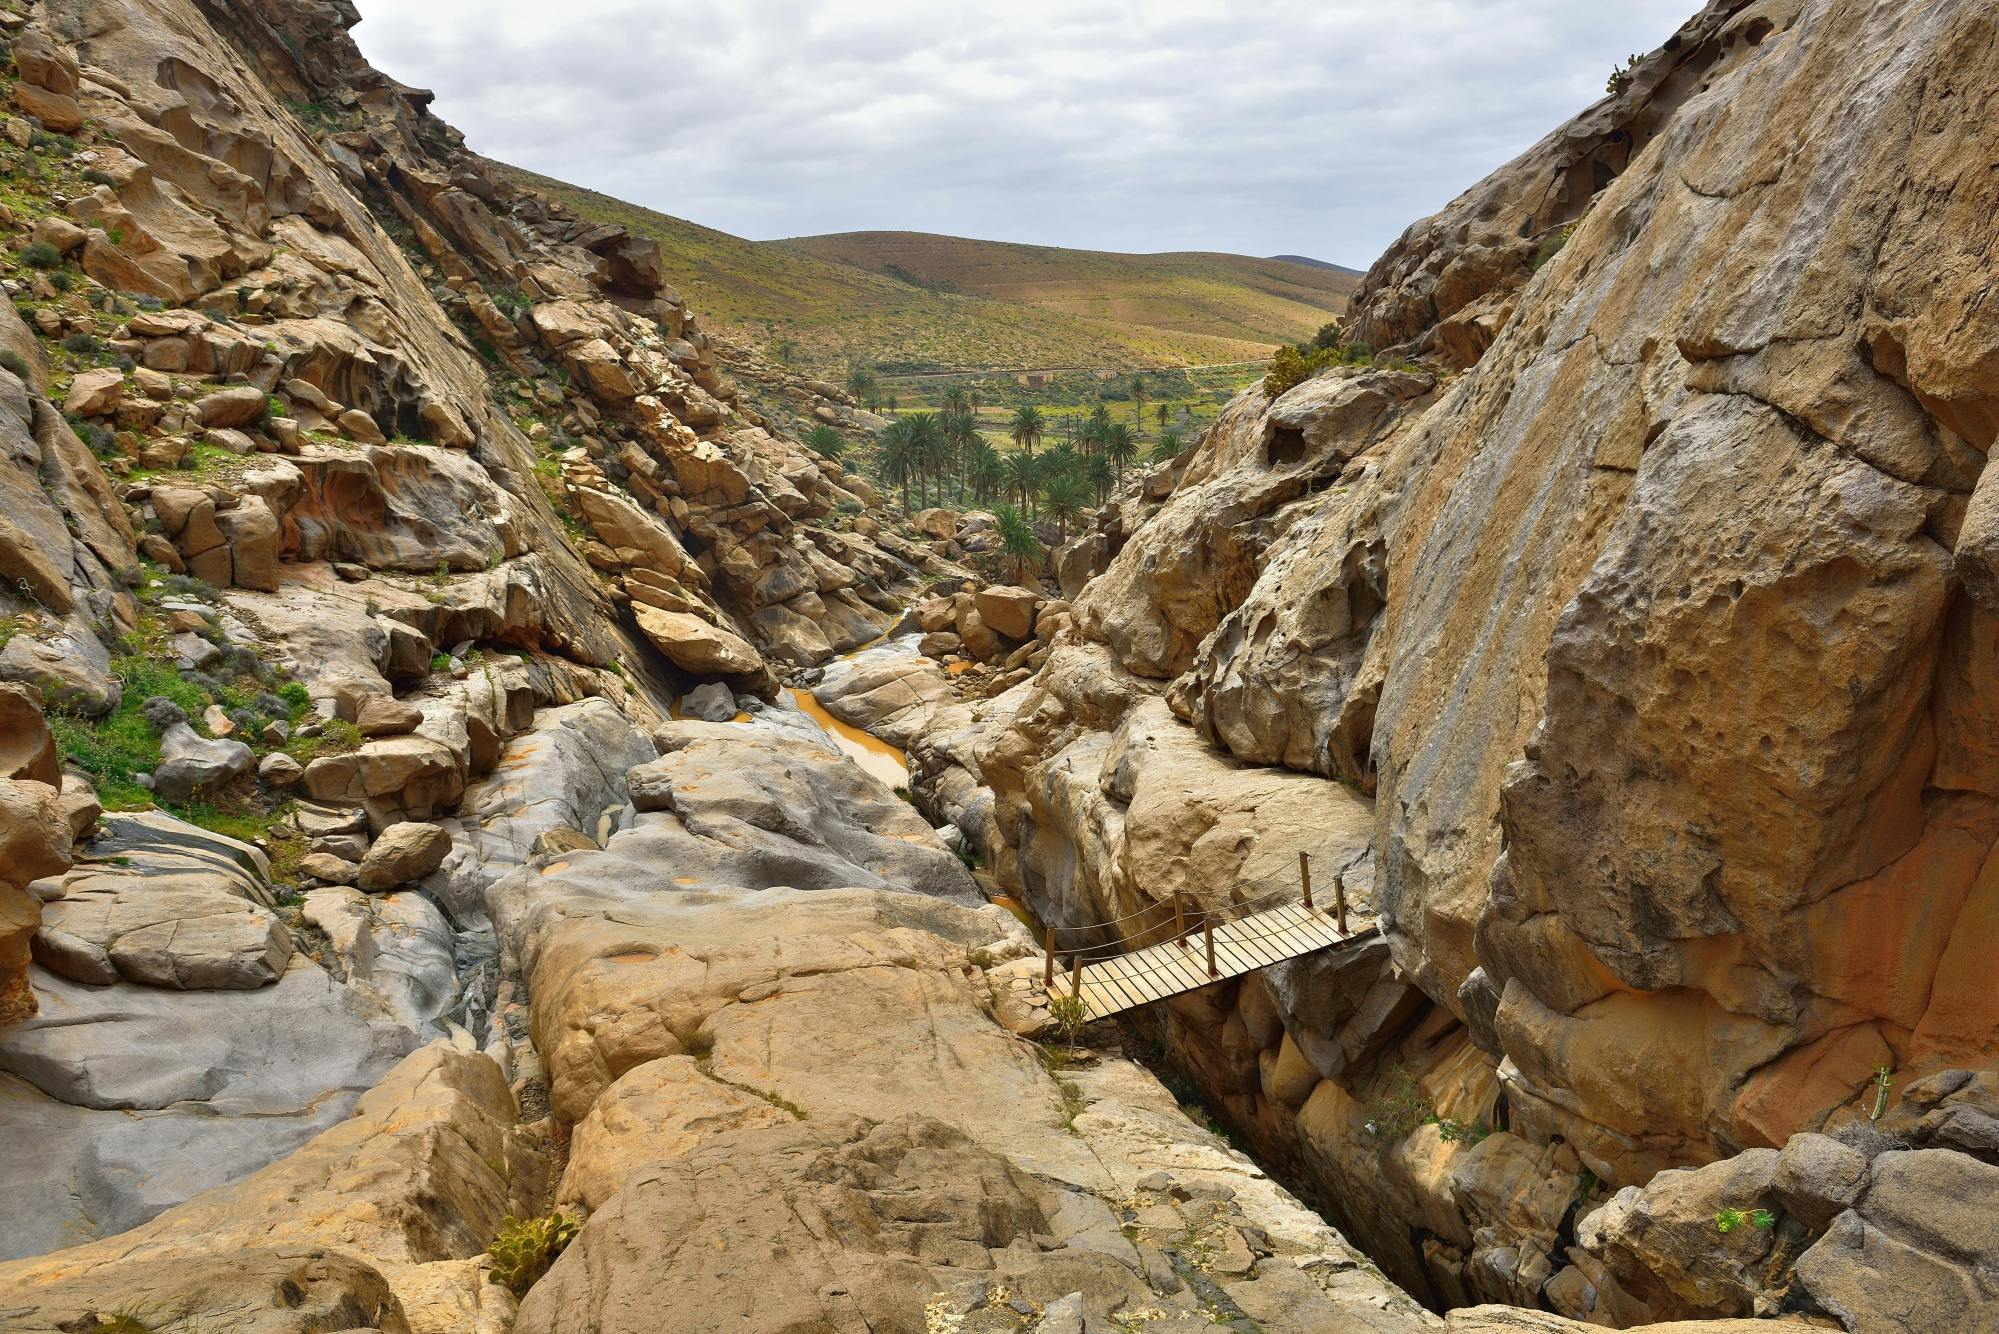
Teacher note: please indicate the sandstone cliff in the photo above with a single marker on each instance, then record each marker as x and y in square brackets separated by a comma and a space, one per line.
[1637, 674]
[1625, 656]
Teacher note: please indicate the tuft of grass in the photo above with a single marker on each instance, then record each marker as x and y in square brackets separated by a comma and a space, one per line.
[336, 737]
[1072, 1103]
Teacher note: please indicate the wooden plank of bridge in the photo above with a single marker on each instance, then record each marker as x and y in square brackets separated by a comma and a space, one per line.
[1244, 945]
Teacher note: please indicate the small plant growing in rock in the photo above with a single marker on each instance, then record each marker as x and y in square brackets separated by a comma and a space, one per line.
[525, 1249]
[1620, 78]
[1728, 1220]
[1466, 1133]
[1762, 1220]
[1399, 1110]
[1882, 1083]
[1069, 1014]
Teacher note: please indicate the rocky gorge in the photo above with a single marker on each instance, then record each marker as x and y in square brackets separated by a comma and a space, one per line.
[414, 856]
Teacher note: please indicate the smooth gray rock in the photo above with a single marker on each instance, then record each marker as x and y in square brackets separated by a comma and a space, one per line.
[395, 947]
[187, 932]
[732, 806]
[136, 1098]
[1819, 1178]
[192, 766]
[713, 703]
[567, 771]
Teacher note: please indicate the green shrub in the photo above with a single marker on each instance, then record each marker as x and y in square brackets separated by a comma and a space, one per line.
[82, 344]
[41, 255]
[1551, 245]
[524, 1250]
[11, 360]
[1399, 1110]
[441, 662]
[1728, 1220]
[1069, 1014]
[1466, 1133]
[825, 441]
[62, 280]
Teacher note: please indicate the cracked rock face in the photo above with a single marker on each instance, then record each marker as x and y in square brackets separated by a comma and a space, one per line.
[1659, 639]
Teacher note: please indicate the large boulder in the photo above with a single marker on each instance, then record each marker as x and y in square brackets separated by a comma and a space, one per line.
[753, 804]
[27, 747]
[402, 854]
[1917, 1253]
[693, 645]
[34, 842]
[1008, 609]
[189, 932]
[192, 765]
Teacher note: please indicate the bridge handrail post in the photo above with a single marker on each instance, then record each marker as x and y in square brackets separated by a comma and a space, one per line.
[1208, 930]
[1048, 964]
[1340, 900]
[1076, 976]
[1305, 876]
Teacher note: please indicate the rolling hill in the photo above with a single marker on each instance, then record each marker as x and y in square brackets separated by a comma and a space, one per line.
[910, 301]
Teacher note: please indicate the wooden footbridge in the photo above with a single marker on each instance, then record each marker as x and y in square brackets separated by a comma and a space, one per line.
[1167, 950]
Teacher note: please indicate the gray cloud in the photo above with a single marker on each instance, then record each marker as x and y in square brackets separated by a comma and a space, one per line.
[1320, 127]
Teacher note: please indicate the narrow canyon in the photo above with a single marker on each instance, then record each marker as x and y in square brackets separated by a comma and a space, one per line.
[498, 834]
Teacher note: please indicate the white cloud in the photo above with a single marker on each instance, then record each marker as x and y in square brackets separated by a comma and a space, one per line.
[1320, 127]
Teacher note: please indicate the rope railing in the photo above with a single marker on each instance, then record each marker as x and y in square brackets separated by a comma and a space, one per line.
[1179, 929]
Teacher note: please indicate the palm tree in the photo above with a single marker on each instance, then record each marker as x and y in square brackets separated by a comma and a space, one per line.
[1101, 474]
[825, 441]
[929, 451]
[1169, 445]
[1027, 428]
[1162, 416]
[1059, 460]
[1064, 497]
[1095, 429]
[861, 382]
[1023, 476]
[1022, 549]
[956, 401]
[895, 457]
[1120, 446]
[985, 470]
[1138, 399]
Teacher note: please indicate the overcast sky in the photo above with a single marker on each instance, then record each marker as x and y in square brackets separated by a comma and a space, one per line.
[1318, 127]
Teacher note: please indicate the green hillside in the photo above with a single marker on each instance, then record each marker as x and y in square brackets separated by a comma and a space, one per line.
[940, 303]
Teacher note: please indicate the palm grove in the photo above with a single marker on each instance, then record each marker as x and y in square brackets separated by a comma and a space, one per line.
[942, 456]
